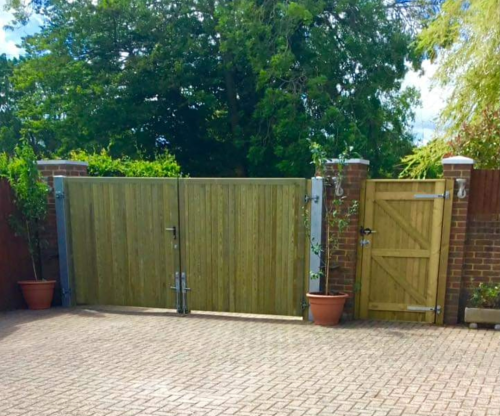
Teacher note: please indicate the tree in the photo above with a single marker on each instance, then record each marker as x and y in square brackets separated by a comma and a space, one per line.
[10, 125]
[30, 196]
[465, 36]
[229, 87]
[478, 139]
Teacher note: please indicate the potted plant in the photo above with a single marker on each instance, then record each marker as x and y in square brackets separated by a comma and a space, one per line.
[326, 306]
[484, 306]
[30, 198]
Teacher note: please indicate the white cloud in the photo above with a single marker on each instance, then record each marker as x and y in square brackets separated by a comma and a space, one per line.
[7, 44]
[433, 99]
[9, 39]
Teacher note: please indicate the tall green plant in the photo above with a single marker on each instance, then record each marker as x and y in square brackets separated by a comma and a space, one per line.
[30, 197]
[337, 214]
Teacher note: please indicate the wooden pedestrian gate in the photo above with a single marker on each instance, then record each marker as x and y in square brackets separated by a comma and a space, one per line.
[404, 238]
[228, 245]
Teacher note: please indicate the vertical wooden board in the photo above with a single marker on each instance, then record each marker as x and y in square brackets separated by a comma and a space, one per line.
[300, 248]
[132, 244]
[445, 248]
[233, 244]
[279, 276]
[153, 274]
[367, 262]
[223, 276]
[306, 222]
[435, 239]
[359, 253]
[117, 242]
[97, 226]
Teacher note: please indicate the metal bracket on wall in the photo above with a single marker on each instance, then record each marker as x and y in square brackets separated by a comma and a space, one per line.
[314, 198]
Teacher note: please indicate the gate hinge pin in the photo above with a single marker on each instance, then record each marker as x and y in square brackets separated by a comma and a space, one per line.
[314, 198]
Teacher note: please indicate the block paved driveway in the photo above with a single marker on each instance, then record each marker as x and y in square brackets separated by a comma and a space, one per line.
[148, 362]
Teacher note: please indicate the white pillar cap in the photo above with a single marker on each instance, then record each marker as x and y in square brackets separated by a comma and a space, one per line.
[351, 161]
[458, 160]
[61, 162]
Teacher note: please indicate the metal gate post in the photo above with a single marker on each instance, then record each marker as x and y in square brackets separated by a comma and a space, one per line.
[315, 233]
[62, 241]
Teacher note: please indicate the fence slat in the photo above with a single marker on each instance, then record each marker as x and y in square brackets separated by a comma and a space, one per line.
[484, 192]
[15, 263]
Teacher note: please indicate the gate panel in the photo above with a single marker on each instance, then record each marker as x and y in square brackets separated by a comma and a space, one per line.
[401, 258]
[243, 244]
[121, 251]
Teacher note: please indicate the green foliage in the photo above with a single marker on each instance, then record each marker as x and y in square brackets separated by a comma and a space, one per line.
[231, 88]
[465, 36]
[30, 197]
[10, 125]
[102, 164]
[480, 140]
[425, 161]
[337, 215]
[486, 295]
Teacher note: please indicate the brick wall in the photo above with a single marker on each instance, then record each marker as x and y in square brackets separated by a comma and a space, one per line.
[50, 255]
[482, 244]
[343, 262]
[453, 168]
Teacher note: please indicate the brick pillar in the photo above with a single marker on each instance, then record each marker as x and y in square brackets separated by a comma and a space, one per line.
[343, 275]
[50, 253]
[453, 168]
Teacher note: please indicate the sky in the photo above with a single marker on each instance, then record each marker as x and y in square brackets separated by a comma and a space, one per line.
[432, 98]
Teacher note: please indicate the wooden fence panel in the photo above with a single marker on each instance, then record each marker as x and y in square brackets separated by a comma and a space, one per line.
[243, 244]
[484, 192]
[15, 262]
[121, 250]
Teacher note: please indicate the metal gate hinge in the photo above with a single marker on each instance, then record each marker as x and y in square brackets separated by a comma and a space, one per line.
[304, 304]
[59, 195]
[416, 308]
[446, 195]
[314, 198]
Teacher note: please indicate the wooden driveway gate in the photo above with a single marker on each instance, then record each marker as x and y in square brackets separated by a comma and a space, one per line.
[228, 245]
[405, 235]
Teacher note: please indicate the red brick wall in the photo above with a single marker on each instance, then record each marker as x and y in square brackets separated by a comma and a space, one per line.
[457, 242]
[50, 255]
[482, 245]
[343, 274]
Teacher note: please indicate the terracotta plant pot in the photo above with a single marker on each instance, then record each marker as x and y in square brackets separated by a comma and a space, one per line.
[327, 309]
[38, 294]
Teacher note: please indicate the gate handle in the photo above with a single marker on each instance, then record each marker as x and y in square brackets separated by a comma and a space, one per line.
[174, 231]
[366, 231]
